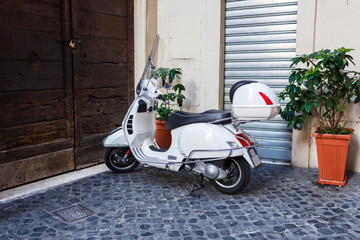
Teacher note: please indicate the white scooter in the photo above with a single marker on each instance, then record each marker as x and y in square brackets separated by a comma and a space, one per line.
[209, 144]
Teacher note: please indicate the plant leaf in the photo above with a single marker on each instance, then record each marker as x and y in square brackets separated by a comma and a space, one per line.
[357, 99]
[340, 108]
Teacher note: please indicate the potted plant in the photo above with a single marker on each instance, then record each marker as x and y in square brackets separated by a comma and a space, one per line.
[173, 96]
[320, 88]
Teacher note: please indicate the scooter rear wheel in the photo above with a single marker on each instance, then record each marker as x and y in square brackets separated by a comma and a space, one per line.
[237, 178]
[116, 161]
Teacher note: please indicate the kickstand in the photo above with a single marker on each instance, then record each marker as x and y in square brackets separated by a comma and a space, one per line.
[194, 187]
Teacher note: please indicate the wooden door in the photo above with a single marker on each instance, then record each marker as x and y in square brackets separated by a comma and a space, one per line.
[58, 103]
[103, 72]
[36, 97]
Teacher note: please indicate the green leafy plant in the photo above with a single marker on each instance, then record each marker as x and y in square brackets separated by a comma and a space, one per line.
[173, 95]
[320, 89]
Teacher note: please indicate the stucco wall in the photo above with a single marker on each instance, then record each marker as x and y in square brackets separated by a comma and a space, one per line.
[326, 24]
[139, 38]
[190, 31]
[192, 34]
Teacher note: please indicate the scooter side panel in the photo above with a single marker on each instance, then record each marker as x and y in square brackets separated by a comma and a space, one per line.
[208, 139]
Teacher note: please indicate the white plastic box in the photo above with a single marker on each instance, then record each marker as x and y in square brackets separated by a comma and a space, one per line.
[253, 101]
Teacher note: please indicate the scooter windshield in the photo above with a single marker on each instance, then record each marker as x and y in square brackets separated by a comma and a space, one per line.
[154, 59]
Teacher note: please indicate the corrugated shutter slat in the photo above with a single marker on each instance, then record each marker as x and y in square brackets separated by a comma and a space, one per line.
[260, 37]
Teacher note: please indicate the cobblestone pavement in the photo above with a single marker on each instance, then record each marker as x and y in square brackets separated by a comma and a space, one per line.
[148, 203]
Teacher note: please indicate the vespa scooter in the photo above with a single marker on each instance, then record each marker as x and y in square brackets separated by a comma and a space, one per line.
[209, 144]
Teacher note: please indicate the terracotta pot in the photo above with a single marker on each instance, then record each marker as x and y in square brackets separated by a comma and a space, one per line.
[162, 136]
[332, 155]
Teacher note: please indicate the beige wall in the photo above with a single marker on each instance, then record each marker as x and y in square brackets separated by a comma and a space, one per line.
[139, 38]
[326, 24]
[191, 35]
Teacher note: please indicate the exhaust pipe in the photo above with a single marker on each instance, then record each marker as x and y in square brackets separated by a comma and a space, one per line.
[209, 170]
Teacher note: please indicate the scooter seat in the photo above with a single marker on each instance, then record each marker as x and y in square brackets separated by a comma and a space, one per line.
[180, 118]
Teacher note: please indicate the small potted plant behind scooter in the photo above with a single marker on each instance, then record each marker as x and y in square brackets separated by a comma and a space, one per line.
[209, 144]
[173, 95]
[321, 89]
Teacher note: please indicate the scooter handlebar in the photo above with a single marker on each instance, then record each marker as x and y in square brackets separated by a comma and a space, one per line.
[161, 97]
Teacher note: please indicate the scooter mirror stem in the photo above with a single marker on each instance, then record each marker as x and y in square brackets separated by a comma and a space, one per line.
[167, 86]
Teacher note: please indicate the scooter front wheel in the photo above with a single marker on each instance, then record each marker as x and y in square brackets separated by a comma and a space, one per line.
[238, 176]
[118, 161]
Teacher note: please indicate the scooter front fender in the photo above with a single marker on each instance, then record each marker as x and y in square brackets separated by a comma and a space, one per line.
[115, 139]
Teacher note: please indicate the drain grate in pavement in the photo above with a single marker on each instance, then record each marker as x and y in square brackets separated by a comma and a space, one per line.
[73, 213]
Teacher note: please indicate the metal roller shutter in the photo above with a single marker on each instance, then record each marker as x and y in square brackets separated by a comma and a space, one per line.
[260, 37]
